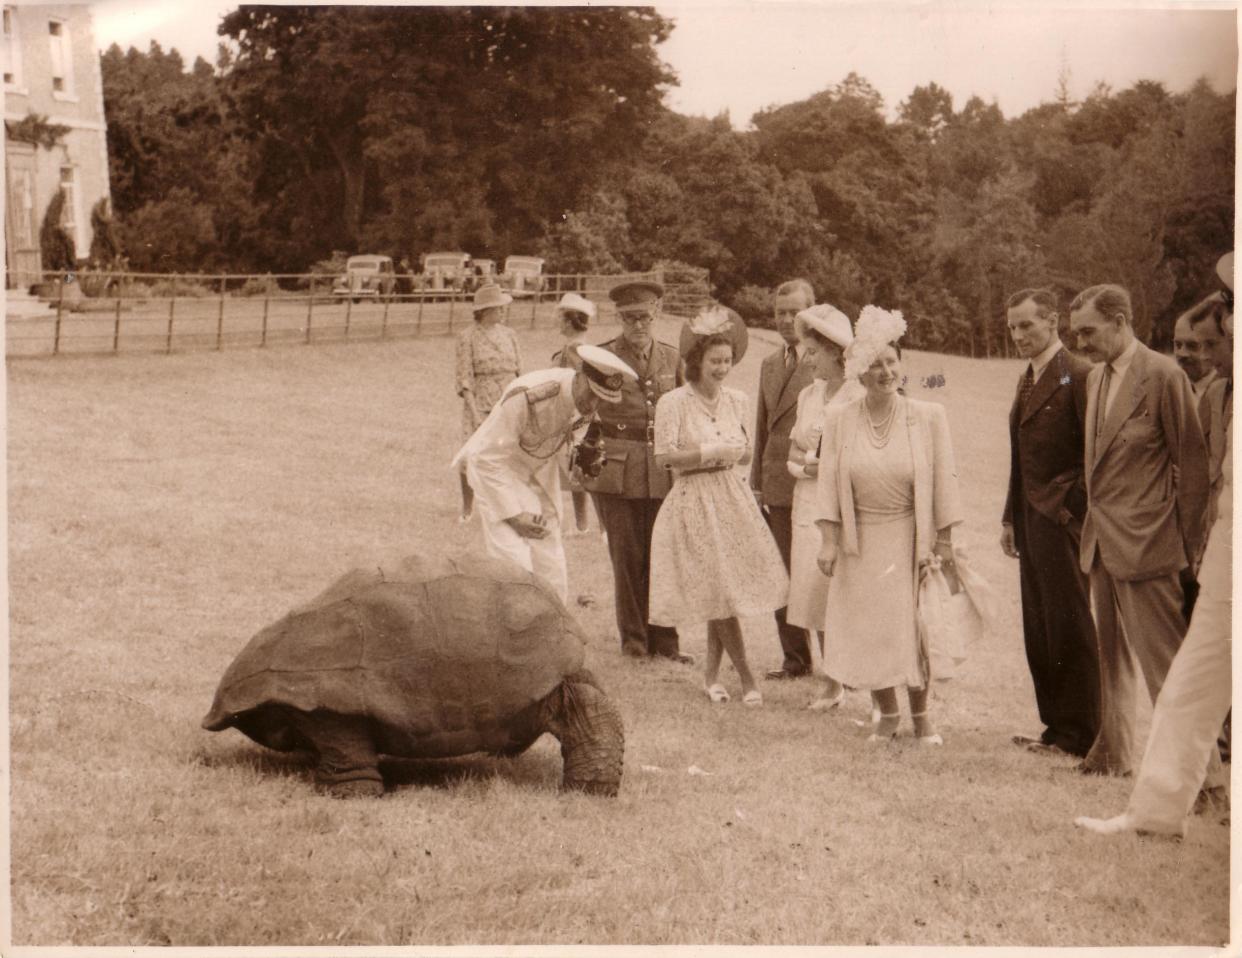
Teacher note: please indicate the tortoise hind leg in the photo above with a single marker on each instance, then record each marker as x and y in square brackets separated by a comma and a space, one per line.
[347, 763]
[592, 735]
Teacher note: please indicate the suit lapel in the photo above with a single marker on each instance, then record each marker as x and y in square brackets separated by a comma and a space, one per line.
[1129, 395]
[794, 380]
[1054, 375]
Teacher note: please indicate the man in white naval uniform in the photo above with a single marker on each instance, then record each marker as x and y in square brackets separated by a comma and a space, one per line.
[513, 460]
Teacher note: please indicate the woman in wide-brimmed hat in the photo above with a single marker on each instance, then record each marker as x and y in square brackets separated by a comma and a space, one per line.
[713, 558]
[488, 359]
[825, 333]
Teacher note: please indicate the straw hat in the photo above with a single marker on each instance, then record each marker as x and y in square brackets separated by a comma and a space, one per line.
[489, 295]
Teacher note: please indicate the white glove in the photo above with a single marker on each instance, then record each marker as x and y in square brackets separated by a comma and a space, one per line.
[721, 453]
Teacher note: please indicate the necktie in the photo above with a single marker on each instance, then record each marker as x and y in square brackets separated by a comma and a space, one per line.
[791, 358]
[1024, 391]
[1101, 411]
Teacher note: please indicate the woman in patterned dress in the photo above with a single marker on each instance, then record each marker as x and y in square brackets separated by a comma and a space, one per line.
[712, 556]
[825, 333]
[488, 359]
[887, 501]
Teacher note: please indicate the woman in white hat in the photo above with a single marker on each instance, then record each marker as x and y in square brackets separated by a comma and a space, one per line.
[575, 313]
[488, 359]
[825, 333]
[713, 558]
[886, 503]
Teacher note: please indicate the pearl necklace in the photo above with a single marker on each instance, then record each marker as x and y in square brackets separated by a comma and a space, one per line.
[712, 407]
[878, 434]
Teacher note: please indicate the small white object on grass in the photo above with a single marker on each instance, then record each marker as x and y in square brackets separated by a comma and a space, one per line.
[651, 768]
[695, 770]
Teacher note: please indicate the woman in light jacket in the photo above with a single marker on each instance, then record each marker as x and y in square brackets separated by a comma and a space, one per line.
[825, 333]
[887, 502]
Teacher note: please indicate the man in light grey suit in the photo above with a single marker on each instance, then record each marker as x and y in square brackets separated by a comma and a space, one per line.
[1147, 485]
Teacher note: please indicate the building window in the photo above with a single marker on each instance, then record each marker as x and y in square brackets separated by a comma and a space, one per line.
[69, 213]
[62, 57]
[12, 50]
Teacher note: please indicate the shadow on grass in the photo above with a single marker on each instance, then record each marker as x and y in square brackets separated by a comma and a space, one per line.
[532, 770]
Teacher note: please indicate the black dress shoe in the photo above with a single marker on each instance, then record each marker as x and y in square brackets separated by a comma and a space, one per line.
[682, 658]
[785, 673]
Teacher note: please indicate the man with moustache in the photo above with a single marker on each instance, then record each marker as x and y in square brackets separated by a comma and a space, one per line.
[1147, 486]
[1042, 526]
[1193, 347]
[630, 487]
[781, 377]
[1196, 693]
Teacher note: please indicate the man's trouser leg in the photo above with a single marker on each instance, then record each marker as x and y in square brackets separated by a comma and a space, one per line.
[1061, 645]
[1191, 706]
[1181, 753]
[548, 558]
[628, 523]
[1111, 751]
[795, 645]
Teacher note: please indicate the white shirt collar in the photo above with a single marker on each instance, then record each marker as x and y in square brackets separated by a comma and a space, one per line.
[1122, 363]
[1040, 362]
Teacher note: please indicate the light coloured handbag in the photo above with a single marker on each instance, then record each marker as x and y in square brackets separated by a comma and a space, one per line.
[956, 608]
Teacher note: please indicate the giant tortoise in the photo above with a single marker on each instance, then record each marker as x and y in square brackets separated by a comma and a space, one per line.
[424, 657]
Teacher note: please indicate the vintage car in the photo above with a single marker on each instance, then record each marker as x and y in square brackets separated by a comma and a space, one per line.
[484, 272]
[366, 277]
[523, 275]
[446, 271]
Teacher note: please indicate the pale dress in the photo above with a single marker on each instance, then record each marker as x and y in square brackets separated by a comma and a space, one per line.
[488, 359]
[808, 587]
[712, 556]
[870, 633]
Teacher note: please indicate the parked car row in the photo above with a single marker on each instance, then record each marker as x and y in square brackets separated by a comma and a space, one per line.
[374, 277]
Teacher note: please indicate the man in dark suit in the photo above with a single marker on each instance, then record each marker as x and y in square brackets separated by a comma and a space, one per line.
[1147, 486]
[1043, 522]
[781, 377]
[630, 487]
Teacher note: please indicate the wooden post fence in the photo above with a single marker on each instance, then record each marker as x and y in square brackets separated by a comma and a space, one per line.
[60, 312]
[172, 309]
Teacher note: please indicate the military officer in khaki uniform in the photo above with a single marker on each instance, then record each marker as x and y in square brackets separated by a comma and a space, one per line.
[513, 460]
[629, 490]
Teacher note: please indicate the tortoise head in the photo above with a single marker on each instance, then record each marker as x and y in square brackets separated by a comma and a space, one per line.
[592, 735]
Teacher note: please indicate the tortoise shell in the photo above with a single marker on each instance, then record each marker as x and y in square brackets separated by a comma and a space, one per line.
[444, 656]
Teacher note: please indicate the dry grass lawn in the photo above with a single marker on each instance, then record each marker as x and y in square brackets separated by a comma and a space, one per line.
[163, 509]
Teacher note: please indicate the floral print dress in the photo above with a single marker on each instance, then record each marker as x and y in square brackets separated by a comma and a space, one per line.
[712, 556]
[488, 359]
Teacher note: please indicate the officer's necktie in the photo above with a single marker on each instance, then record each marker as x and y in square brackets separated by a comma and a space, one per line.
[791, 358]
[1024, 391]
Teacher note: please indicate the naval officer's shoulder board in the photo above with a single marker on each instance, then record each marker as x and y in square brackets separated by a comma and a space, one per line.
[535, 394]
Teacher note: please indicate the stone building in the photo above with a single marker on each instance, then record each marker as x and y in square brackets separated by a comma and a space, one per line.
[53, 93]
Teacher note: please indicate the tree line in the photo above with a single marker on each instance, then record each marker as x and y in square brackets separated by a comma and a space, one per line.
[544, 131]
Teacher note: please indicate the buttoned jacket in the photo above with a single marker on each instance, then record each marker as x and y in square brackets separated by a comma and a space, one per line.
[1146, 472]
[776, 413]
[1046, 442]
[630, 469]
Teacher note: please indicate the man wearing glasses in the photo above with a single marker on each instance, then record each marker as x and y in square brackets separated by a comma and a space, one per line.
[630, 487]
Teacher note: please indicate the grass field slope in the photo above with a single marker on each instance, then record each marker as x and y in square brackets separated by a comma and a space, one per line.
[164, 508]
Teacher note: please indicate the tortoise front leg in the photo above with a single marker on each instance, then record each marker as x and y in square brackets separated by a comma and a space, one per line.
[347, 764]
